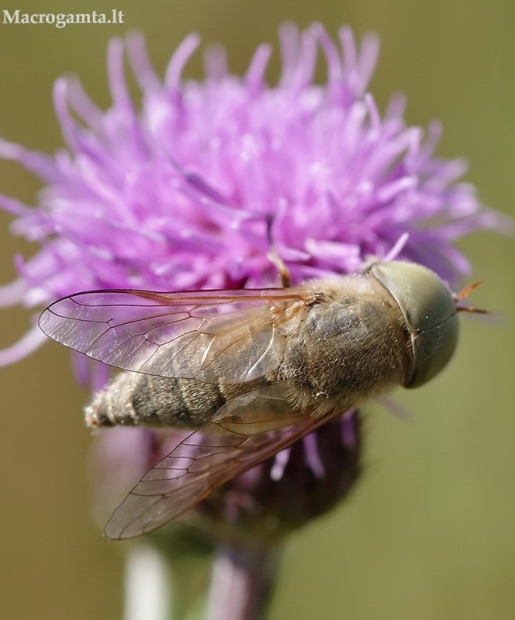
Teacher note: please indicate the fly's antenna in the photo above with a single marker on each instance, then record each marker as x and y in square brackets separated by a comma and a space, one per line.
[463, 294]
[273, 255]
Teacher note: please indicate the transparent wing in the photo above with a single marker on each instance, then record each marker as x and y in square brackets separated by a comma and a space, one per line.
[231, 336]
[243, 433]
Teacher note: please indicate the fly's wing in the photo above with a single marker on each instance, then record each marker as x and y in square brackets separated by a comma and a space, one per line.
[244, 432]
[229, 336]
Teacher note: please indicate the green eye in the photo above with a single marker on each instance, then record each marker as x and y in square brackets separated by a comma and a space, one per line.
[429, 310]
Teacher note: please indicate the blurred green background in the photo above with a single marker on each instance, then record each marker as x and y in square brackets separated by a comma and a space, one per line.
[430, 531]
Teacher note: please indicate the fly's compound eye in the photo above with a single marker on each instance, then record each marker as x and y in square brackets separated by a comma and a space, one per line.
[429, 310]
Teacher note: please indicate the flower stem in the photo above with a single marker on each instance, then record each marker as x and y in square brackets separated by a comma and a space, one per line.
[147, 584]
[242, 581]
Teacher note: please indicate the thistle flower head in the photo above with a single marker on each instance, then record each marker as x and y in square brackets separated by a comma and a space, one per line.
[178, 193]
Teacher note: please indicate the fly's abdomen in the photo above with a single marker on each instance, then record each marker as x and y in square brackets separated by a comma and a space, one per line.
[132, 399]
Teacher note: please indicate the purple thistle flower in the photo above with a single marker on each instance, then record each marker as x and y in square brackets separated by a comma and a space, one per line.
[178, 195]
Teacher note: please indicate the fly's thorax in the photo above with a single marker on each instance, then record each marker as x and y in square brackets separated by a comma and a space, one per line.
[351, 345]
